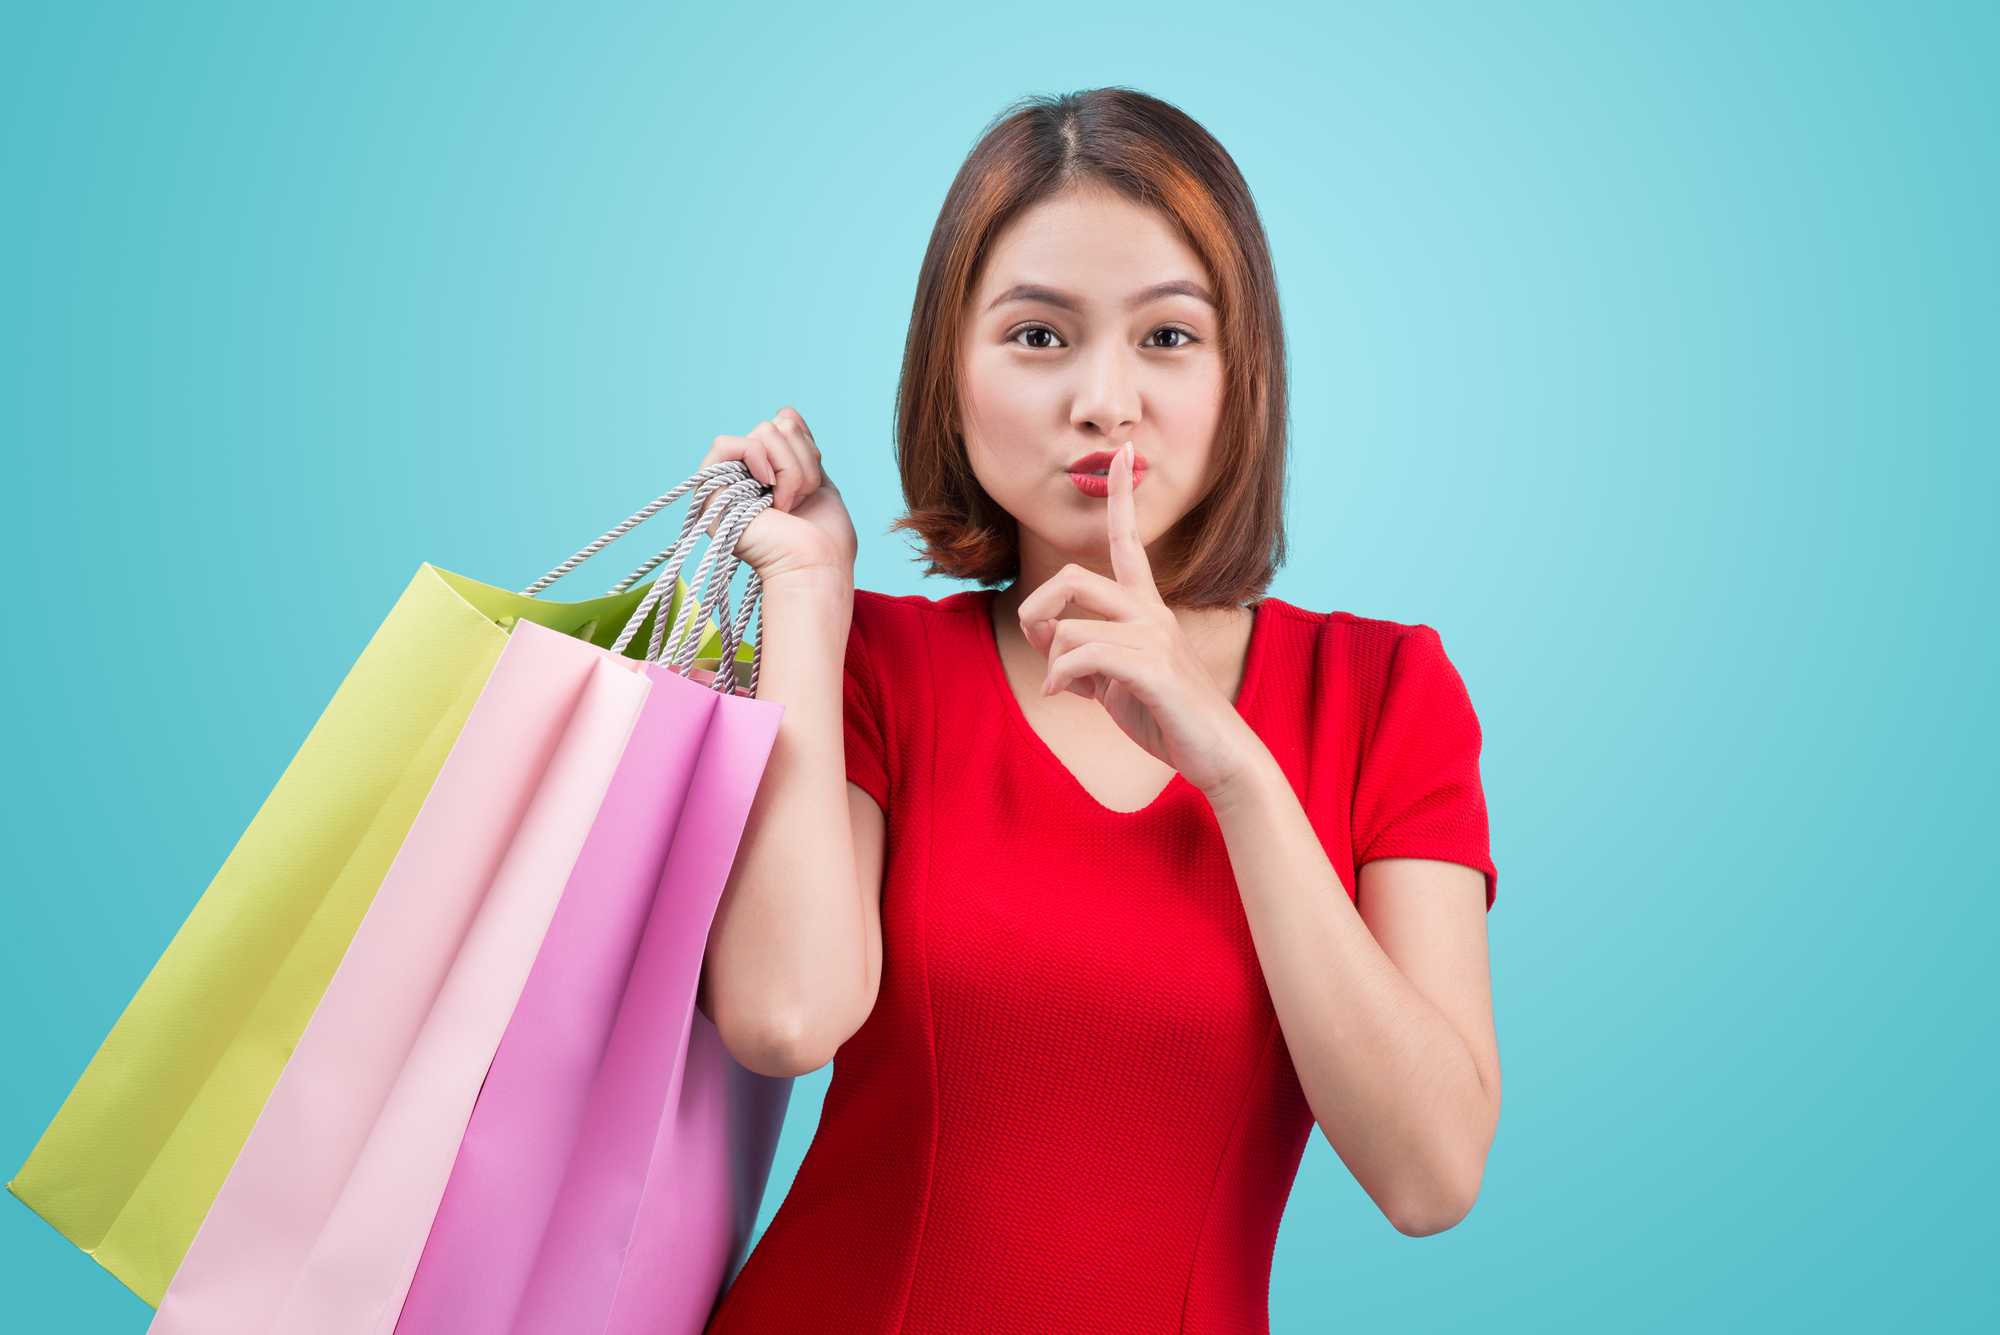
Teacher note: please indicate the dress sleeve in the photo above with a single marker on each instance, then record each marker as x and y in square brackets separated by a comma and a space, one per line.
[1418, 794]
[863, 715]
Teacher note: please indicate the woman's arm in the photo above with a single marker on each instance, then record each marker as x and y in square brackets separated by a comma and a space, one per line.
[1386, 1009]
[795, 952]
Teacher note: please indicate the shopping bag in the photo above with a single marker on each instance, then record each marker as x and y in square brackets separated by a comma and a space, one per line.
[646, 1221]
[132, 1160]
[322, 1216]
[137, 1152]
[617, 1156]
[489, 851]
[654, 865]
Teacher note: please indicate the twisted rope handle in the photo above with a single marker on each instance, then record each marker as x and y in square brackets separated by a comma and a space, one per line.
[753, 592]
[728, 495]
[697, 507]
[732, 629]
[724, 494]
[731, 468]
[708, 590]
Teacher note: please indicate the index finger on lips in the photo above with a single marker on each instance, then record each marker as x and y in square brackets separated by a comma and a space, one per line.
[1121, 515]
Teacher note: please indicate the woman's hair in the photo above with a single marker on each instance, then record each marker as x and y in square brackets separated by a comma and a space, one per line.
[1226, 549]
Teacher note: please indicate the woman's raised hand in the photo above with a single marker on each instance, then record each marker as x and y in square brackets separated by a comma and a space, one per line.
[1137, 662]
[807, 529]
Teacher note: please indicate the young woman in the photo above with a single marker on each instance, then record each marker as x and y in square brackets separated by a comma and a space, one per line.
[1099, 891]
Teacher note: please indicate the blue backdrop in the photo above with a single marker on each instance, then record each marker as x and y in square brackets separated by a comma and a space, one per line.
[1648, 352]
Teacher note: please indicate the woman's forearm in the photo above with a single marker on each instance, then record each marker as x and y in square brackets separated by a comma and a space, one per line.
[1404, 1096]
[791, 966]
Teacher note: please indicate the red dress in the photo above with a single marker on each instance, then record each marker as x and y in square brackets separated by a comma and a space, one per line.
[1072, 1108]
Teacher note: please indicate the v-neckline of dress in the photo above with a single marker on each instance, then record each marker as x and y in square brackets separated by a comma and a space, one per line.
[997, 667]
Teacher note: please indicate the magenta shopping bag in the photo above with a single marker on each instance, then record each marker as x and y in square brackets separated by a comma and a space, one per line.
[617, 1155]
[323, 1215]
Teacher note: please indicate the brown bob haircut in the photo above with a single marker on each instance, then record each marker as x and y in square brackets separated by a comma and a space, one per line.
[1226, 549]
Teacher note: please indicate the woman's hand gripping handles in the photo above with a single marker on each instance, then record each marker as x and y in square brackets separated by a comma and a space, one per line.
[795, 953]
[807, 528]
[1138, 661]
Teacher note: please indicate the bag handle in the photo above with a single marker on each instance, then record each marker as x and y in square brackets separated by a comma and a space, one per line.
[710, 479]
[725, 491]
[709, 589]
[730, 497]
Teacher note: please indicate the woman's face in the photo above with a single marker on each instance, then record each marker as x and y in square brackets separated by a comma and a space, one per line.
[1091, 323]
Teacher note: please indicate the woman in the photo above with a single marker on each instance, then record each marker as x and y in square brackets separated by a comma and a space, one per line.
[1099, 890]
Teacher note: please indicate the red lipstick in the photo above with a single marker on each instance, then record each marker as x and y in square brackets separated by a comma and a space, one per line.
[1092, 473]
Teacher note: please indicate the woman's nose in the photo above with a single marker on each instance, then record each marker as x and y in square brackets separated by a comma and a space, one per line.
[1107, 398]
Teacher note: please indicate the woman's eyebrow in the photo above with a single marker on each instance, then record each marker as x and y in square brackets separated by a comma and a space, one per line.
[1047, 296]
[1180, 287]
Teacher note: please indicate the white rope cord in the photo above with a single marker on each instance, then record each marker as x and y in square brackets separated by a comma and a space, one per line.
[686, 533]
[732, 629]
[697, 602]
[660, 595]
[697, 507]
[692, 607]
[753, 592]
[709, 590]
[663, 586]
[731, 467]
[729, 497]
[729, 625]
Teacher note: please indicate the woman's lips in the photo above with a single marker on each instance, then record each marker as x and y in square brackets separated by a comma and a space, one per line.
[1092, 473]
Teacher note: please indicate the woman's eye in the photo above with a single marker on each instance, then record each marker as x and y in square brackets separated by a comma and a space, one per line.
[1038, 337]
[1170, 338]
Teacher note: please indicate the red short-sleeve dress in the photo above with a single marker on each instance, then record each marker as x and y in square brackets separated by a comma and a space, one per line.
[1072, 1108]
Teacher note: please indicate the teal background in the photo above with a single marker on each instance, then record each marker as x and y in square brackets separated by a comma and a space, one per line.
[1648, 352]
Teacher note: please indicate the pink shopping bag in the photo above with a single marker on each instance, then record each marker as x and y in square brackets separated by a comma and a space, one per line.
[616, 1158]
[323, 1216]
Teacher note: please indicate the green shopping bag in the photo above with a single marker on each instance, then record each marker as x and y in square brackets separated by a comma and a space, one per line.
[139, 1149]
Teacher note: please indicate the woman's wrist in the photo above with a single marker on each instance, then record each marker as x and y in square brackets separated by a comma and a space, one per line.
[1251, 776]
[806, 614]
[807, 578]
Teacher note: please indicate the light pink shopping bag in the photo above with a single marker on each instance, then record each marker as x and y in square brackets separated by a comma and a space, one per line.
[323, 1216]
[617, 1156]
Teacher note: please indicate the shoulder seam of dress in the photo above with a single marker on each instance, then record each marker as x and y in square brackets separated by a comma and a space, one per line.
[919, 602]
[1330, 619]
